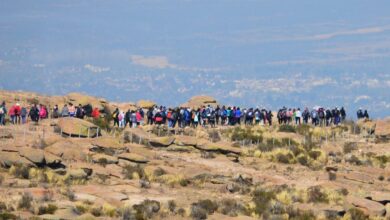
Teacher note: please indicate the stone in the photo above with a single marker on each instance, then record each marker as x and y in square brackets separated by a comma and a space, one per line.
[388, 210]
[102, 158]
[85, 197]
[75, 127]
[181, 140]
[108, 145]
[132, 157]
[145, 104]
[161, 141]
[200, 101]
[7, 159]
[382, 197]
[36, 156]
[67, 150]
[358, 177]
[382, 130]
[371, 208]
[223, 148]
[77, 173]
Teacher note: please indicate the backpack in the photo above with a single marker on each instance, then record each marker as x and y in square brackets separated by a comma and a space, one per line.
[169, 115]
[23, 112]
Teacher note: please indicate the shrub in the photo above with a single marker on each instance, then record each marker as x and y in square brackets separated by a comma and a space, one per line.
[315, 154]
[20, 171]
[159, 172]
[232, 208]
[172, 206]
[303, 129]
[287, 128]
[352, 159]
[70, 194]
[102, 162]
[315, 194]
[349, 147]
[208, 205]
[25, 201]
[181, 212]
[262, 198]
[49, 209]
[247, 135]
[80, 209]
[129, 171]
[147, 209]
[303, 159]
[284, 158]
[198, 212]
[8, 216]
[295, 214]
[356, 214]
[97, 211]
[214, 135]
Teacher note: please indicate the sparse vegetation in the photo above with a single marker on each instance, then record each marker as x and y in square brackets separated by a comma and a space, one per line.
[25, 201]
[132, 172]
[147, 209]
[20, 171]
[287, 128]
[49, 209]
[316, 194]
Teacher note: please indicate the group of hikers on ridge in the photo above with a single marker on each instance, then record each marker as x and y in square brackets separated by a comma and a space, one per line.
[181, 116]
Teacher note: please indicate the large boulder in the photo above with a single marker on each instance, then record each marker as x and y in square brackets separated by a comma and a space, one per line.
[67, 150]
[36, 156]
[132, 157]
[77, 98]
[75, 127]
[200, 101]
[371, 208]
[382, 130]
[161, 141]
[145, 104]
[8, 159]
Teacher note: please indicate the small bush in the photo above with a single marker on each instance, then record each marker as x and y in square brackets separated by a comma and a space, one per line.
[49, 209]
[129, 171]
[356, 214]
[70, 194]
[303, 129]
[172, 206]
[232, 208]
[284, 158]
[295, 214]
[80, 209]
[8, 216]
[97, 211]
[147, 209]
[352, 159]
[20, 171]
[25, 201]
[198, 212]
[262, 198]
[349, 147]
[159, 172]
[287, 128]
[303, 160]
[102, 162]
[181, 212]
[316, 195]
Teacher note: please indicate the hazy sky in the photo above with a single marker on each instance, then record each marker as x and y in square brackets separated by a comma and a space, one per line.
[268, 53]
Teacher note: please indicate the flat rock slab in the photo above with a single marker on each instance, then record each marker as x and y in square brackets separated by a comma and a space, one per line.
[222, 148]
[136, 158]
[7, 159]
[371, 208]
[185, 140]
[102, 158]
[382, 197]
[36, 156]
[161, 141]
[358, 177]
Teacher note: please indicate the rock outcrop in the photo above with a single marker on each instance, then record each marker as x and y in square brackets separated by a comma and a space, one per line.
[75, 127]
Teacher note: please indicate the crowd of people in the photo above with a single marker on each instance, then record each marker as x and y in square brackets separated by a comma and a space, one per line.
[180, 116]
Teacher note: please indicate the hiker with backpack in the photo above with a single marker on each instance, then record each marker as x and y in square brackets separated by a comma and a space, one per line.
[115, 115]
[24, 114]
[65, 111]
[306, 116]
[34, 113]
[298, 117]
[343, 114]
[365, 115]
[3, 113]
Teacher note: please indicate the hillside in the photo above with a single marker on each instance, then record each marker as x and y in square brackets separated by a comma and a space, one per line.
[69, 168]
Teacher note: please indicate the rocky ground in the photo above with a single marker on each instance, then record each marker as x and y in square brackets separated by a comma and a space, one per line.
[69, 169]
